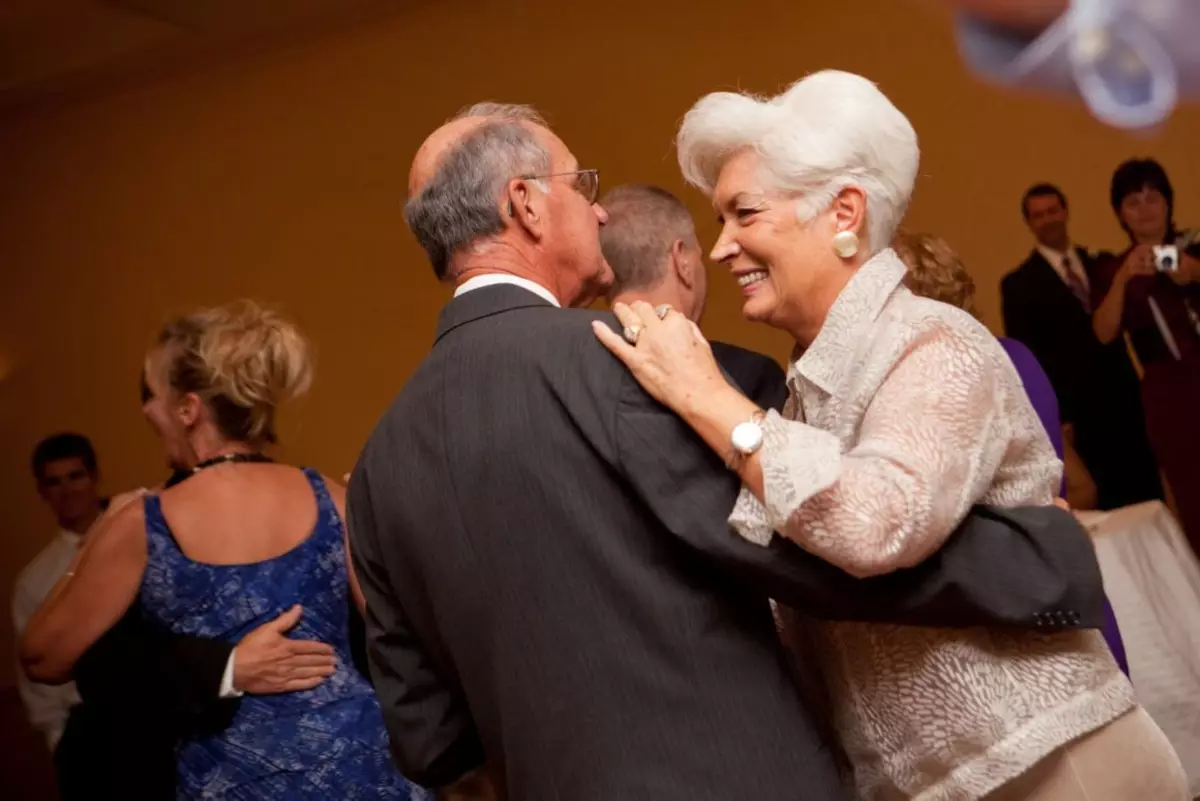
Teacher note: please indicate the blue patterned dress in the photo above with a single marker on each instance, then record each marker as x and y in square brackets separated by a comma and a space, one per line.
[324, 743]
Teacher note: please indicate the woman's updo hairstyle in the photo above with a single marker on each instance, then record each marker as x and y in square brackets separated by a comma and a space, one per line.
[242, 360]
[934, 270]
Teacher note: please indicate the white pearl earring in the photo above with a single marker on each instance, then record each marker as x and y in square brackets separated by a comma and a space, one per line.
[845, 244]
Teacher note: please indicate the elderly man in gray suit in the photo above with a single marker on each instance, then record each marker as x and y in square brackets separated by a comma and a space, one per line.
[552, 589]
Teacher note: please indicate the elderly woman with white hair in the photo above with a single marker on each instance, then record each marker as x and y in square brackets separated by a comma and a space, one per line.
[903, 414]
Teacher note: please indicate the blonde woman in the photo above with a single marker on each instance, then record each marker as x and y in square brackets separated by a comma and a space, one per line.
[240, 542]
[903, 415]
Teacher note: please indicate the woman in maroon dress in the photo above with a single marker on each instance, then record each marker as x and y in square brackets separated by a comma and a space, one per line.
[1160, 311]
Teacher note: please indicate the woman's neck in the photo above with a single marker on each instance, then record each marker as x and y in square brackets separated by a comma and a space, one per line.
[1150, 239]
[808, 320]
[206, 449]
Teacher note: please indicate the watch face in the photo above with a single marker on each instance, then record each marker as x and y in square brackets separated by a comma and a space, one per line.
[747, 437]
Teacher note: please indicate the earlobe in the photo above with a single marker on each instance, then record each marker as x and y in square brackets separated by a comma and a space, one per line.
[849, 211]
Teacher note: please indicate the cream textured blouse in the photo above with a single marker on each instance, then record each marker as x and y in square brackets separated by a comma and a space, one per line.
[904, 413]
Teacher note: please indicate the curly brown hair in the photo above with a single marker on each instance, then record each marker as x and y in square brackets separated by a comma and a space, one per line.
[934, 270]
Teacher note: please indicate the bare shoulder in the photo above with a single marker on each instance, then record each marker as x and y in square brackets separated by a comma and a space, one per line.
[121, 526]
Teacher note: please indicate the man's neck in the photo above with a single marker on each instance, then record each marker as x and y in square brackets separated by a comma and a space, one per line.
[1063, 249]
[498, 259]
[655, 296]
[81, 525]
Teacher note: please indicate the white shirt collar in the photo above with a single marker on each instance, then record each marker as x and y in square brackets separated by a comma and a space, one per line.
[493, 279]
[1055, 258]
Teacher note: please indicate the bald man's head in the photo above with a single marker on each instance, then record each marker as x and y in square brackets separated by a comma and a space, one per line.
[467, 122]
[460, 171]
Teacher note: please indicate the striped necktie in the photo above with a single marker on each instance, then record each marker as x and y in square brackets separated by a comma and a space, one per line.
[1075, 285]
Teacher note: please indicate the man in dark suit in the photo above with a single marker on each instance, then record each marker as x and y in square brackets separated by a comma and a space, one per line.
[550, 579]
[650, 243]
[1047, 306]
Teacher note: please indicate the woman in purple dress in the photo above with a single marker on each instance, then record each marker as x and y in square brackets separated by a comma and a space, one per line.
[936, 272]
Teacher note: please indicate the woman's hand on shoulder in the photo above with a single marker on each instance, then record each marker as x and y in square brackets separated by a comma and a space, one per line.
[668, 355]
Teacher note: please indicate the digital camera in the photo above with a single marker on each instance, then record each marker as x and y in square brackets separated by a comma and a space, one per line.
[1166, 258]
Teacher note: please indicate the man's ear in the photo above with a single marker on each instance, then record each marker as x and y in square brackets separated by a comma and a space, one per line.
[525, 207]
[680, 264]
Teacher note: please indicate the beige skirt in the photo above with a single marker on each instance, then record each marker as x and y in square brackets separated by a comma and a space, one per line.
[1128, 760]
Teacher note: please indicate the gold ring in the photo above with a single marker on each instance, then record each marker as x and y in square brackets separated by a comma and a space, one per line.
[663, 310]
[632, 332]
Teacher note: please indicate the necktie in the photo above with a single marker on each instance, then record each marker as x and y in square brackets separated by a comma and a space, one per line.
[1076, 286]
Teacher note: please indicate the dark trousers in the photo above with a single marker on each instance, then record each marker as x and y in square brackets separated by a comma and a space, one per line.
[101, 757]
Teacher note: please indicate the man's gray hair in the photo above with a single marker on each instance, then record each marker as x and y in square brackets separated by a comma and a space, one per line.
[461, 202]
[643, 222]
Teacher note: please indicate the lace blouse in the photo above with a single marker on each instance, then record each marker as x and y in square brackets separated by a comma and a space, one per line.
[903, 414]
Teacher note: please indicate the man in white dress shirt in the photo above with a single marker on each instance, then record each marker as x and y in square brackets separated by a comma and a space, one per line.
[68, 480]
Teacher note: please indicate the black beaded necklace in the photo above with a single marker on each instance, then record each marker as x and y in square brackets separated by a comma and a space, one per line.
[232, 458]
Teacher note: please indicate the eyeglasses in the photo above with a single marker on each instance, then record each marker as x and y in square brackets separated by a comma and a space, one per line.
[587, 182]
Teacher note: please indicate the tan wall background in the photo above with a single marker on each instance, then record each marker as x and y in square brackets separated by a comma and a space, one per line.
[280, 176]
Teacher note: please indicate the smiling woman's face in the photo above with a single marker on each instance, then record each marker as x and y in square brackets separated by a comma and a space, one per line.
[785, 268]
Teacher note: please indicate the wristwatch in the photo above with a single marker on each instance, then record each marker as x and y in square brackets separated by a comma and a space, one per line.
[745, 440]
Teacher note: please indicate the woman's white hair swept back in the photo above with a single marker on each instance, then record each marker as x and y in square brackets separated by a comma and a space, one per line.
[828, 131]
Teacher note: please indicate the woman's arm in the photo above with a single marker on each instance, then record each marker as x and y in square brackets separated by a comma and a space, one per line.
[1081, 490]
[1107, 319]
[90, 598]
[929, 447]
[337, 492]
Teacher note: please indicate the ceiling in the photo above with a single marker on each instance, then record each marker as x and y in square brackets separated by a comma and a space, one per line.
[53, 48]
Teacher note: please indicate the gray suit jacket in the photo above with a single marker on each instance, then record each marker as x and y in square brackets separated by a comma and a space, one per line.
[550, 579]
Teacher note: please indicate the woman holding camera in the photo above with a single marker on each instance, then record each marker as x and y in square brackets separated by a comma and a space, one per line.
[1151, 292]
